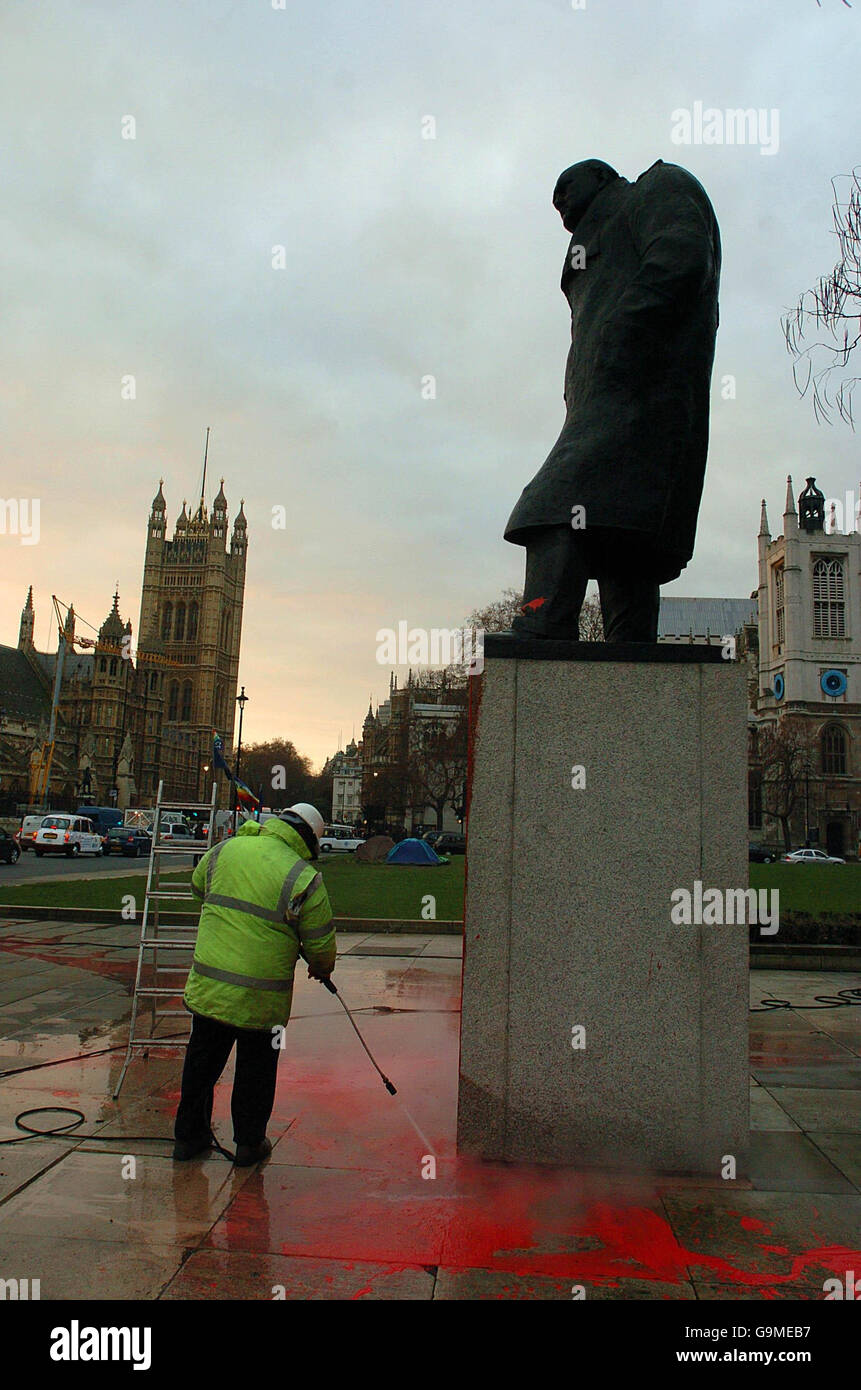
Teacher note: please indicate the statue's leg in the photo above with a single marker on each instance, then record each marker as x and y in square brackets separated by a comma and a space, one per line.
[629, 607]
[557, 572]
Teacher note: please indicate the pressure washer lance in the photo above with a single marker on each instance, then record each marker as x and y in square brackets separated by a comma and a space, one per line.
[330, 985]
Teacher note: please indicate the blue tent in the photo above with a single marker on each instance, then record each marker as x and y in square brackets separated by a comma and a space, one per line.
[413, 852]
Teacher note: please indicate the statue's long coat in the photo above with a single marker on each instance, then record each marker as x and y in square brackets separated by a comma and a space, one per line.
[644, 314]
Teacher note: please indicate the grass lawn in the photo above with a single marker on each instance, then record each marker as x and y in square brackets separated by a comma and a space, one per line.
[103, 891]
[386, 890]
[355, 890]
[811, 888]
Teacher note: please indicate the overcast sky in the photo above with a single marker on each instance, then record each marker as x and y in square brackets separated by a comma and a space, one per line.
[303, 127]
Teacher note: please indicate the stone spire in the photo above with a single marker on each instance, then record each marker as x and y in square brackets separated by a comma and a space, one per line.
[763, 521]
[111, 630]
[790, 516]
[28, 621]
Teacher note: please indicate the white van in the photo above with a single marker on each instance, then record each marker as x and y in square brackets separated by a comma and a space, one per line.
[340, 839]
[27, 833]
[69, 835]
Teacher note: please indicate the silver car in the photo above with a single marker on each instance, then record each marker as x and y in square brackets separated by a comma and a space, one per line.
[811, 856]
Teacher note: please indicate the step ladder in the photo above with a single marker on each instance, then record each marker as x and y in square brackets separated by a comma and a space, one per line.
[165, 952]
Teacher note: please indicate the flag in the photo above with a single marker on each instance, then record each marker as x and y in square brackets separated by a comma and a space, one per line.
[245, 794]
[218, 754]
[241, 791]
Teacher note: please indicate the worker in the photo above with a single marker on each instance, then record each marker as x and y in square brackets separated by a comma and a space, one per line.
[263, 905]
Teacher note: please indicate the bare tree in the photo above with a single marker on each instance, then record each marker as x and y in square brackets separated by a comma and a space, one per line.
[834, 306]
[438, 764]
[591, 621]
[499, 615]
[783, 752]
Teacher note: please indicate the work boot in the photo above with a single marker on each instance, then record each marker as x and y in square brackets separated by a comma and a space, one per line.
[185, 1149]
[246, 1154]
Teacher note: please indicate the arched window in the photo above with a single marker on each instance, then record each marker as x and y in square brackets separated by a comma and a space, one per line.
[173, 700]
[186, 703]
[829, 599]
[754, 799]
[113, 666]
[834, 749]
[103, 663]
[192, 621]
[166, 621]
[153, 681]
[179, 626]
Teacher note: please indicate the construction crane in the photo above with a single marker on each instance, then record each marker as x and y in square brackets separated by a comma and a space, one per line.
[40, 769]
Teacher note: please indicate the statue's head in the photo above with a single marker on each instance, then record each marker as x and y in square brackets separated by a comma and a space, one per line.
[578, 186]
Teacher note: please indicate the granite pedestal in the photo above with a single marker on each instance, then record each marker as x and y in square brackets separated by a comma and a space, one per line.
[569, 937]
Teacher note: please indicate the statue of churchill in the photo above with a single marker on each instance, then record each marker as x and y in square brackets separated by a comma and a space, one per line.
[618, 496]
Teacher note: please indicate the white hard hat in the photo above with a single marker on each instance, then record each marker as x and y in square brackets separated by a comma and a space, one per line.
[311, 816]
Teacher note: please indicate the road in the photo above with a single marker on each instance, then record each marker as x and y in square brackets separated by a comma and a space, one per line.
[29, 869]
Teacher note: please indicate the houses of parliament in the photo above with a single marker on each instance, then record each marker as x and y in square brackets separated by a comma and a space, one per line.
[133, 711]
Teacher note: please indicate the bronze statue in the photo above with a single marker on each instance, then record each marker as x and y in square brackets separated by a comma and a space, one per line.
[617, 498]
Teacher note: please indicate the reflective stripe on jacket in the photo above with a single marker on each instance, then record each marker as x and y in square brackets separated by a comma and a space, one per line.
[262, 899]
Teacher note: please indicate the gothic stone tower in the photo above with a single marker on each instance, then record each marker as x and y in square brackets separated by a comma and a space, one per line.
[810, 661]
[190, 628]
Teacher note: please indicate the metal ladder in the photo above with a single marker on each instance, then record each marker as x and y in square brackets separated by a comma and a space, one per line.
[152, 967]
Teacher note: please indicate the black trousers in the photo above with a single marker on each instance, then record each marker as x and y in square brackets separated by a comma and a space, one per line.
[253, 1084]
[559, 564]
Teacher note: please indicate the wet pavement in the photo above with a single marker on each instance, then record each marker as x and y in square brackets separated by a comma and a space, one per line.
[364, 1196]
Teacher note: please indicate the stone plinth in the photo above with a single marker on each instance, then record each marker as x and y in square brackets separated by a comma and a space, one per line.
[568, 909]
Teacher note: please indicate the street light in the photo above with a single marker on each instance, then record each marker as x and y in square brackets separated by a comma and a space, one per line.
[242, 701]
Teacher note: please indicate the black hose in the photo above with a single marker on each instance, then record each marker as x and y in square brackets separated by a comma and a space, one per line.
[844, 999]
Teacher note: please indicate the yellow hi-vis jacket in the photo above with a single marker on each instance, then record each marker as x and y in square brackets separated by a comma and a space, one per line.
[262, 900]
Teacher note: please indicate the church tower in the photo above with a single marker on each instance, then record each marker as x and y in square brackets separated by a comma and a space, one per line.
[810, 661]
[190, 629]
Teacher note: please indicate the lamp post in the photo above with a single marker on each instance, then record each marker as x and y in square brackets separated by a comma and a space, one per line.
[242, 701]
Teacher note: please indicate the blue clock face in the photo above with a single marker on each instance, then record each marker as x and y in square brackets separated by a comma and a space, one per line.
[833, 683]
[778, 687]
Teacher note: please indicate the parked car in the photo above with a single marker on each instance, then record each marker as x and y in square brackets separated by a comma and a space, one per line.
[431, 836]
[176, 833]
[27, 831]
[9, 851]
[759, 854]
[811, 856]
[450, 843]
[69, 835]
[129, 840]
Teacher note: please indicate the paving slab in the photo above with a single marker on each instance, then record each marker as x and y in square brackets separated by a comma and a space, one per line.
[816, 1108]
[87, 1198]
[334, 1213]
[767, 1113]
[78, 1268]
[345, 1208]
[225, 1274]
[756, 1239]
[844, 1151]
[490, 1285]
[785, 1162]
